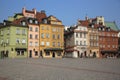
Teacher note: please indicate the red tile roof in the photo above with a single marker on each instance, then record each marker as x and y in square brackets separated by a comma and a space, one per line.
[40, 16]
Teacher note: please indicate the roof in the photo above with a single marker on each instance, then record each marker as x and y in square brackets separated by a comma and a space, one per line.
[112, 25]
[40, 16]
[18, 14]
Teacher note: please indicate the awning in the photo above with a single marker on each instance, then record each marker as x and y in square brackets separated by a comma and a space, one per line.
[53, 49]
[109, 51]
[70, 50]
[24, 49]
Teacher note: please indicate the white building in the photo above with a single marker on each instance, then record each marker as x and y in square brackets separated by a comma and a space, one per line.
[76, 41]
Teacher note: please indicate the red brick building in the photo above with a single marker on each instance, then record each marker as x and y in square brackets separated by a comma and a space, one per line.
[108, 42]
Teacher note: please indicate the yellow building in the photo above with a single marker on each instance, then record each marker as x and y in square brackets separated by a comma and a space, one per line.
[93, 42]
[51, 38]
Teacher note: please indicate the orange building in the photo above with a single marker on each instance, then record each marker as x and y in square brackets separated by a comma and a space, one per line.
[51, 38]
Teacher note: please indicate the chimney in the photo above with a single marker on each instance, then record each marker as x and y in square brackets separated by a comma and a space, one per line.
[23, 10]
[34, 11]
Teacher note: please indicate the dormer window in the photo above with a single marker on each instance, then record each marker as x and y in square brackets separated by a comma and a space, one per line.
[99, 29]
[31, 21]
[45, 21]
[23, 23]
[36, 22]
[4, 23]
[103, 29]
[92, 26]
[109, 29]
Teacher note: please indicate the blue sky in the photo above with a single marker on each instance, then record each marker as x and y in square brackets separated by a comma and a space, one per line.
[66, 10]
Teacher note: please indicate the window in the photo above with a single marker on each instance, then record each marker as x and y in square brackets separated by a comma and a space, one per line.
[58, 36]
[30, 21]
[36, 36]
[58, 44]
[42, 27]
[47, 43]
[80, 42]
[1, 41]
[116, 46]
[30, 36]
[76, 35]
[53, 44]
[36, 22]
[97, 37]
[103, 29]
[47, 27]
[36, 29]
[84, 42]
[80, 35]
[42, 43]
[7, 41]
[99, 29]
[47, 53]
[8, 31]
[113, 46]
[59, 54]
[30, 43]
[47, 35]
[42, 35]
[91, 43]
[108, 34]
[18, 53]
[23, 32]
[76, 42]
[45, 21]
[17, 41]
[53, 36]
[17, 31]
[84, 35]
[22, 52]
[36, 53]
[23, 41]
[108, 46]
[23, 23]
[53, 29]
[36, 43]
[97, 44]
[1, 32]
[30, 28]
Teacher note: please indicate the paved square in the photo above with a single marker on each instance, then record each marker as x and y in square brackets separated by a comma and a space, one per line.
[60, 69]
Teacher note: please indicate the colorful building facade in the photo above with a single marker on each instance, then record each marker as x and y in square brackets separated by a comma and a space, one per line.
[13, 40]
[76, 41]
[51, 38]
[108, 40]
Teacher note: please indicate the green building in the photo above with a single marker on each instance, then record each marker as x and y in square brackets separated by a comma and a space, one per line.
[13, 39]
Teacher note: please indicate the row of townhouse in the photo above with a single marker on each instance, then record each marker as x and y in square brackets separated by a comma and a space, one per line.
[92, 38]
[34, 34]
[31, 34]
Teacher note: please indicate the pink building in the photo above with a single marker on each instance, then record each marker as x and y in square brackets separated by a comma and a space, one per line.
[33, 19]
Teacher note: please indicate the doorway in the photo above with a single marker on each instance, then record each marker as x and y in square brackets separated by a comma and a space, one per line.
[53, 55]
[30, 53]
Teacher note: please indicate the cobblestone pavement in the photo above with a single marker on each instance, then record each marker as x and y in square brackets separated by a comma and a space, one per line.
[60, 69]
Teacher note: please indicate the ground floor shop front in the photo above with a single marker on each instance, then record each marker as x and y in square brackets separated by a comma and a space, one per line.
[52, 53]
[13, 53]
[110, 54]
